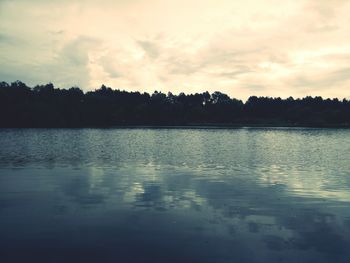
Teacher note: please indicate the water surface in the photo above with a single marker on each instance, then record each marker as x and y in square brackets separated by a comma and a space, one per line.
[175, 195]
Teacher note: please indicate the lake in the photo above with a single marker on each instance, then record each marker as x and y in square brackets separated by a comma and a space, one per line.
[175, 195]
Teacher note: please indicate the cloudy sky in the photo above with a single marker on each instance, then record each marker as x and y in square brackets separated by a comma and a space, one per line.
[242, 48]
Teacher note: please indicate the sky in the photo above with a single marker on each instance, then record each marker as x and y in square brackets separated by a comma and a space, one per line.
[241, 48]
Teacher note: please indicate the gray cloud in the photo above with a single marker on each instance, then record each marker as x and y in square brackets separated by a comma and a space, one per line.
[255, 87]
[76, 51]
[233, 74]
[231, 62]
[180, 65]
[5, 38]
[8, 39]
[108, 65]
[68, 68]
[326, 9]
[150, 48]
[324, 80]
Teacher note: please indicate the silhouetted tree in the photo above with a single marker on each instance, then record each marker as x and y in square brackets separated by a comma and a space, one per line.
[47, 106]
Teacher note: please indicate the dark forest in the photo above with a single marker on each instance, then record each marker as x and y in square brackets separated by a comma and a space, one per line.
[47, 106]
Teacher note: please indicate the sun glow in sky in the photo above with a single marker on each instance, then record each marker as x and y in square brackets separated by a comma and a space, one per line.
[242, 48]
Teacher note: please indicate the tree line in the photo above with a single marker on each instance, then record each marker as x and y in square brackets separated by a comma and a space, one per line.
[47, 106]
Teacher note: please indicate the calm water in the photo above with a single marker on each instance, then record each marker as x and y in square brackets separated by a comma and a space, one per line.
[175, 195]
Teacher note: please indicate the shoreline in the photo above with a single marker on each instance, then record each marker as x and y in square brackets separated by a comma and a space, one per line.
[193, 126]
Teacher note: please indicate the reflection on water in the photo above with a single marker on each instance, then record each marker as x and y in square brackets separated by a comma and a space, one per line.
[146, 195]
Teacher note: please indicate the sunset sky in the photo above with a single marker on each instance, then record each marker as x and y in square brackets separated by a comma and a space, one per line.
[242, 48]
